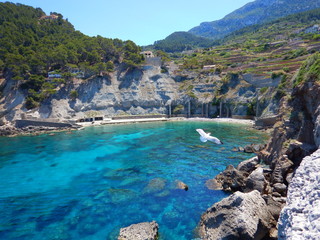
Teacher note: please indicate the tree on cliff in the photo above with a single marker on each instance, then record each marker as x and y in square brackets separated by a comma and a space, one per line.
[32, 44]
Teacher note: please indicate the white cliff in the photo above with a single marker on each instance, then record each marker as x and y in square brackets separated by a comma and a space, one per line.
[300, 218]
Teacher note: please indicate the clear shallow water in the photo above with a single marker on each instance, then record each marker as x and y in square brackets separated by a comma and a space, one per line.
[89, 184]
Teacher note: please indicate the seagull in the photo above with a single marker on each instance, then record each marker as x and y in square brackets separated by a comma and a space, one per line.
[207, 137]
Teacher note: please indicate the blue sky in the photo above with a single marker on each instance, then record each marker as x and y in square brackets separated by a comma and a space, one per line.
[142, 21]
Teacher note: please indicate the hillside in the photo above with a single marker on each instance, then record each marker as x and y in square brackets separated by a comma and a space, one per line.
[256, 12]
[280, 45]
[53, 71]
[33, 45]
[182, 41]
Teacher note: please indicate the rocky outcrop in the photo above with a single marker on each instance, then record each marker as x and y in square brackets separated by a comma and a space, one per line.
[229, 180]
[240, 216]
[256, 181]
[300, 218]
[140, 91]
[140, 231]
[248, 165]
[295, 136]
[9, 130]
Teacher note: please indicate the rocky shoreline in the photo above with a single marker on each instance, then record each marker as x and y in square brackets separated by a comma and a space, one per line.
[9, 130]
[276, 194]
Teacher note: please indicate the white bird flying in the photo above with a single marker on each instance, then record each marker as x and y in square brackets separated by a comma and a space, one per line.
[207, 137]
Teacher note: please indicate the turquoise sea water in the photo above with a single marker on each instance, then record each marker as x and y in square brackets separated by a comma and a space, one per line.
[89, 184]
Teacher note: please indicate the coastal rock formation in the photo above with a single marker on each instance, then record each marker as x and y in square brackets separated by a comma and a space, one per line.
[240, 216]
[140, 231]
[248, 165]
[139, 91]
[300, 218]
[229, 180]
[256, 181]
[7, 130]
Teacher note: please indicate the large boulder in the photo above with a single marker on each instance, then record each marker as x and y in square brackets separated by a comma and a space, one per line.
[140, 231]
[256, 181]
[239, 216]
[248, 165]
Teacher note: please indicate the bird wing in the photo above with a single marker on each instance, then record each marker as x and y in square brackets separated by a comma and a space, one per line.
[201, 132]
[214, 140]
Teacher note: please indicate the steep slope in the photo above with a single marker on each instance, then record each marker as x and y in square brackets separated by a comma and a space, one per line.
[33, 46]
[181, 41]
[256, 12]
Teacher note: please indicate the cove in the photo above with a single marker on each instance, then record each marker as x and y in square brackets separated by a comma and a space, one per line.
[89, 184]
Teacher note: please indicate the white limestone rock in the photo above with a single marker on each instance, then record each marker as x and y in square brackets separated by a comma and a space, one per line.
[140, 231]
[300, 218]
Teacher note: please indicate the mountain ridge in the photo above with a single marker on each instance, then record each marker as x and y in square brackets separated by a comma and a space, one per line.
[259, 11]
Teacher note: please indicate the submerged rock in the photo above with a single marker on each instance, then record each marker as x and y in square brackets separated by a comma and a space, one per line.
[155, 185]
[140, 231]
[239, 216]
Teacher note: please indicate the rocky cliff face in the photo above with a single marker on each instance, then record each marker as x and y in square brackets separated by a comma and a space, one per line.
[300, 218]
[286, 161]
[143, 90]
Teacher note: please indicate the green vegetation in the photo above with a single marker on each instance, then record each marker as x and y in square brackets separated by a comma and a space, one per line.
[310, 70]
[74, 94]
[277, 30]
[182, 41]
[178, 109]
[32, 44]
[265, 50]
[263, 90]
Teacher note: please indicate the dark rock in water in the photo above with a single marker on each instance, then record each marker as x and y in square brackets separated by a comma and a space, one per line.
[181, 185]
[7, 130]
[235, 149]
[248, 165]
[140, 231]
[239, 216]
[155, 185]
[256, 181]
[248, 149]
[230, 180]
